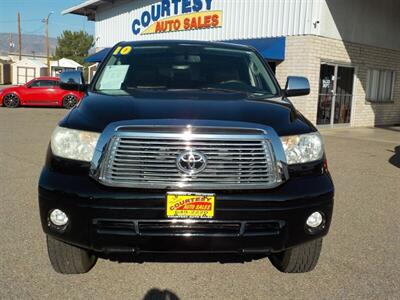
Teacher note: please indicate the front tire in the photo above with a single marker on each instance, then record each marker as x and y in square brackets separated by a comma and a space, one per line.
[67, 259]
[69, 101]
[299, 259]
[11, 101]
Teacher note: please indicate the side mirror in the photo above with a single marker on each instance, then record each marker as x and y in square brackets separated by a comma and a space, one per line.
[72, 80]
[297, 86]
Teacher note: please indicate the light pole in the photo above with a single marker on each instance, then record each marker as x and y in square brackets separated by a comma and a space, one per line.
[46, 21]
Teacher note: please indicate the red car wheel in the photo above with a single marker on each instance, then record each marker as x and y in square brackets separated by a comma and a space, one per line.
[69, 101]
[11, 100]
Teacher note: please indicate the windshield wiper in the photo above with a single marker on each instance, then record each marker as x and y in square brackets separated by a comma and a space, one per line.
[255, 95]
[250, 95]
[222, 90]
[138, 88]
[260, 95]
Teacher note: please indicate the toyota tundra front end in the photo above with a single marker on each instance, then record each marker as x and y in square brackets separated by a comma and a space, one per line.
[185, 147]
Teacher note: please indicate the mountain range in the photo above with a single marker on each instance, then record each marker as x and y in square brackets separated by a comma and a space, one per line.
[30, 43]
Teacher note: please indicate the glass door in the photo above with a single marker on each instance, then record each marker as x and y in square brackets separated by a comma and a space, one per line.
[344, 94]
[335, 94]
[325, 98]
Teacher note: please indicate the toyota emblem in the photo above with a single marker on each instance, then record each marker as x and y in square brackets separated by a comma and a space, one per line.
[191, 162]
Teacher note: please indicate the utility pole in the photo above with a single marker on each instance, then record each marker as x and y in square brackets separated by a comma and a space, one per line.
[46, 21]
[19, 37]
[47, 46]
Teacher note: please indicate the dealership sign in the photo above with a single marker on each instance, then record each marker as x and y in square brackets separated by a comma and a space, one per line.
[177, 15]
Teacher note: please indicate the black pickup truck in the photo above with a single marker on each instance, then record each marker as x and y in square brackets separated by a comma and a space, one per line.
[185, 147]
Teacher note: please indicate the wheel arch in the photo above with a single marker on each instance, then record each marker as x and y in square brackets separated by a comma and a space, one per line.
[5, 93]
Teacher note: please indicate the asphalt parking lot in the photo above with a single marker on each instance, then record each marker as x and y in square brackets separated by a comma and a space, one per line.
[360, 257]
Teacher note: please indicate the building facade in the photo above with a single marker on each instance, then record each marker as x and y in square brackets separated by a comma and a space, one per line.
[5, 72]
[349, 50]
[27, 69]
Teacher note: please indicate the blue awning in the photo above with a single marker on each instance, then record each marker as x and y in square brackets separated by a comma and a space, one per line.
[270, 48]
[98, 56]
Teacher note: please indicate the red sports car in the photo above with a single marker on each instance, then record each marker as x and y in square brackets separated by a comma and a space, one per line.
[41, 91]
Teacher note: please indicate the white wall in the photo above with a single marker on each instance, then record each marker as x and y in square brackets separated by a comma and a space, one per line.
[370, 22]
[241, 19]
[26, 69]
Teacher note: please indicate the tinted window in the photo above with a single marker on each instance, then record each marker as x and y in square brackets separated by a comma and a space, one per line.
[35, 83]
[44, 83]
[185, 67]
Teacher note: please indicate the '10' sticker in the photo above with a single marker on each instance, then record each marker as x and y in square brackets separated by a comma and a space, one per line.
[122, 50]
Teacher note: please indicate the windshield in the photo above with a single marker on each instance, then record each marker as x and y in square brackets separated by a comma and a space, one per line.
[184, 67]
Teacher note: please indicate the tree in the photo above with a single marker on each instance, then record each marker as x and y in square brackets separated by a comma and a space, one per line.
[74, 45]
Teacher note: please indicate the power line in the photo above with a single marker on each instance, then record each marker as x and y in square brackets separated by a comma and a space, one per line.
[33, 31]
[69, 25]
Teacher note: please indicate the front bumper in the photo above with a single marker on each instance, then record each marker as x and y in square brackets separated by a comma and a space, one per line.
[112, 220]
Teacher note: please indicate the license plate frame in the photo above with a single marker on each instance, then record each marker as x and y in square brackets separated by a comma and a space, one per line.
[190, 205]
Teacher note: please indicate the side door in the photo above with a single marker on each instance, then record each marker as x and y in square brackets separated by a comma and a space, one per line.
[32, 92]
[59, 93]
[42, 92]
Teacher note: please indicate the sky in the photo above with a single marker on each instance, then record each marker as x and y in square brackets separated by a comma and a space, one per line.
[33, 11]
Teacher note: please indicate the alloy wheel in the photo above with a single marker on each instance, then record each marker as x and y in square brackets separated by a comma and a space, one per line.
[69, 101]
[11, 100]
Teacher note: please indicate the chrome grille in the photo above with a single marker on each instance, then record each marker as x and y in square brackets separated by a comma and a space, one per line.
[140, 160]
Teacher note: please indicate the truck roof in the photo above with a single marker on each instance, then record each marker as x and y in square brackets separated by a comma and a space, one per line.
[222, 45]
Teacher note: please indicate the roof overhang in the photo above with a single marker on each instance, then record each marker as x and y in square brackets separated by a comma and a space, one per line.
[272, 49]
[98, 56]
[87, 8]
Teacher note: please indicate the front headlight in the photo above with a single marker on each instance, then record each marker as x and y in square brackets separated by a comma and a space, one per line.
[74, 144]
[303, 148]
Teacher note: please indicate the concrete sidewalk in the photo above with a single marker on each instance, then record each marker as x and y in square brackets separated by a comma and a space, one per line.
[387, 134]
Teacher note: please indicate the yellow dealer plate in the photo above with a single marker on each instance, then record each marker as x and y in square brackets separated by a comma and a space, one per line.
[190, 205]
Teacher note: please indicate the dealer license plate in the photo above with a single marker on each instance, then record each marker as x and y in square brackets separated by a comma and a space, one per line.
[190, 205]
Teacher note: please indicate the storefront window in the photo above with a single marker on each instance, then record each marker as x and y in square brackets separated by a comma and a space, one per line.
[380, 85]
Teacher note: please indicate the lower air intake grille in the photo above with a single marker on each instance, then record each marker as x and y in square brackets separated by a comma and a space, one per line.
[187, 228]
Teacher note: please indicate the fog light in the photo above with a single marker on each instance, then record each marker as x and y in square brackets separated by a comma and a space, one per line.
[314, 220]
[58, 217]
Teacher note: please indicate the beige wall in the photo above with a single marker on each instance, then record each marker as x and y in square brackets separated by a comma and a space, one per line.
[304, 55]
[361, 21]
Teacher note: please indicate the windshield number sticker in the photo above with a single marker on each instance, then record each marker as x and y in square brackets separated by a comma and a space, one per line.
[122, 51]
[116, 51]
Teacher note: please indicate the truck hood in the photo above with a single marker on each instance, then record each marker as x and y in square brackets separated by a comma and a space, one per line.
[96, 111]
